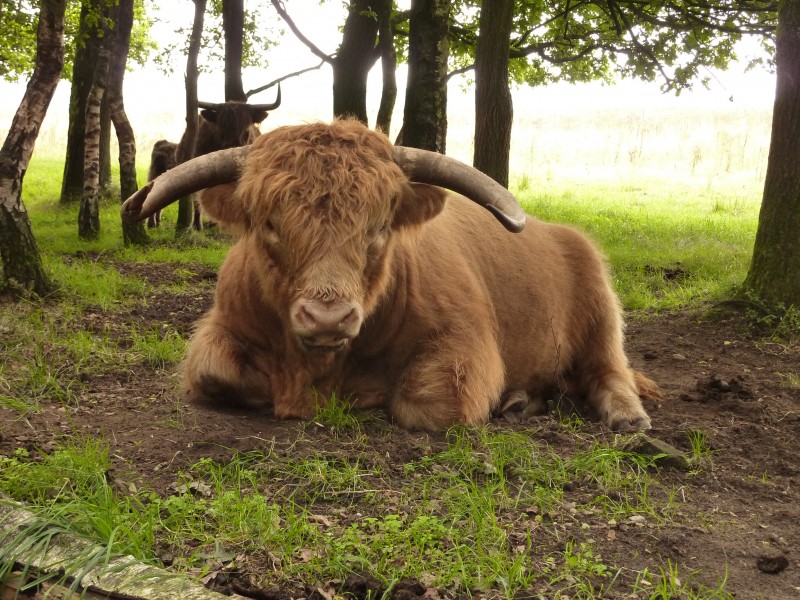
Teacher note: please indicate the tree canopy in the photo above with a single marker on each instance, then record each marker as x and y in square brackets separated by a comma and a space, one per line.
[585, 40]
[19, 20]
[259, 34]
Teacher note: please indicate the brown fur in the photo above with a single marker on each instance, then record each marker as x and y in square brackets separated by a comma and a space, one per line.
[162, 159]
[456, 311]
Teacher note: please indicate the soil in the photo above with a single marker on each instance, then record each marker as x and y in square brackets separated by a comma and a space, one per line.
[738, 517]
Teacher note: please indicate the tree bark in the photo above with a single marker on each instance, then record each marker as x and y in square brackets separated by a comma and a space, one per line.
[773, 274]
[105, 131]
[357, 55]
[89, 213]
[186, 147]
[493, 106]
[425, 113]
[383, 8]
[122, 15]
[82, 78]
[20, 261]
[233, 26]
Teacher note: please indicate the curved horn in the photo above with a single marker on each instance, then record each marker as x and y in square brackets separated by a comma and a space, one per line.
[424, 166]
[208, 105]
[272, 106]
[199, 173]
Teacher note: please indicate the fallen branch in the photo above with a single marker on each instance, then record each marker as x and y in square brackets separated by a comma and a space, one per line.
[35, 553]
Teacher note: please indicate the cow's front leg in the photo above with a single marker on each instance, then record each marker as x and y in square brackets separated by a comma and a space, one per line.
[223, 372]
[458, 379]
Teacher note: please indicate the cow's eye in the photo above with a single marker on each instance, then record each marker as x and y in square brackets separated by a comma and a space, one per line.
[379, 230]
[271, 232]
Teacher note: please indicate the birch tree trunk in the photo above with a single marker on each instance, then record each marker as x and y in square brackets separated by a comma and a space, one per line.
[20, 262]
[89, 213]
[82, 76]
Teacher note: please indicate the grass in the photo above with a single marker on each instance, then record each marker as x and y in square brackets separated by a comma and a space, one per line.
[488, 509]
[449, 525]
[666, 250]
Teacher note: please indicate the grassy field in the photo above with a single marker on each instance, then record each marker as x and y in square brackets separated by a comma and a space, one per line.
[672, 242]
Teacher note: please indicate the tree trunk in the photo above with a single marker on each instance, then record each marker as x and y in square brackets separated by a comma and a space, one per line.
[425, 114]
[82, 78]
[493, 106]
[20, 261]
[357, 54]
[383, 8]
[122, 15]
[105, 135]
[233, 25]
[89, 213]
[186, 147]
[774, 269]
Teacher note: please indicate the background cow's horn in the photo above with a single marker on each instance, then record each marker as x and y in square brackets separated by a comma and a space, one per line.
[189, 177]
[272, 106]
[424, 166]
[207, 105]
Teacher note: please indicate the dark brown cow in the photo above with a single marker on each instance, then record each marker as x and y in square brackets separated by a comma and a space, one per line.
[219, 126]
[162, 159]
[353, 274]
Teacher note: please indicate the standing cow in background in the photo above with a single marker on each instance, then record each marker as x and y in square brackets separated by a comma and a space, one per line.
[355, 274]
[162, 159]
[220, 126]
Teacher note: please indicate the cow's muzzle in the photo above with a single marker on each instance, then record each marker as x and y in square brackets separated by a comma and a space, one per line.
[326, 325]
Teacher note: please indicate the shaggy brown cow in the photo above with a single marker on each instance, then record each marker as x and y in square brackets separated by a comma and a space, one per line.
[219, 126]
[350, 277]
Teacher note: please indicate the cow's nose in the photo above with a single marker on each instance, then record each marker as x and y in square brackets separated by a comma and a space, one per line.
[325, 317]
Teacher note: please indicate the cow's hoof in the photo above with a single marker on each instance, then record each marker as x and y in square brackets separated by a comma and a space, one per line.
[631, 425]
[517, 405]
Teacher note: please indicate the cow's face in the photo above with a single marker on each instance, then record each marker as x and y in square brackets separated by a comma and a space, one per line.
[234, 123]
[325, 209]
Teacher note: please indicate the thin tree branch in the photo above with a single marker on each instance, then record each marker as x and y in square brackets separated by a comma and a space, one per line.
[309, 44]
[255, 91]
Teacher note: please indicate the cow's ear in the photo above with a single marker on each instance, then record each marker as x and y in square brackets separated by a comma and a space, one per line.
[222, 204]
[258, 115]
[420, 203]
[209, 115]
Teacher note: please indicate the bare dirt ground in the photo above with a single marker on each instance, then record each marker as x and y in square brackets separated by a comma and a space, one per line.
[739, 517]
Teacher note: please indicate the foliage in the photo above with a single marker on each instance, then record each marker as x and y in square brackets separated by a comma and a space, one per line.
[18, 42]
[257, 38]
[584, 41]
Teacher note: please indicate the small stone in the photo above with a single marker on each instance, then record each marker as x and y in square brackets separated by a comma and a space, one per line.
[637, 519]
[771, 561]
[666, 455]
[720, 384]
[678, 356]
[650, 355]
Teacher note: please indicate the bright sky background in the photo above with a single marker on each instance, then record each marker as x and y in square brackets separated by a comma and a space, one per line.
[155, 102]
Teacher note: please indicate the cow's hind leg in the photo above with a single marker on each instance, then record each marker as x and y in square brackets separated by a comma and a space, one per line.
[458, 380]
[218, 372]
[606, 380]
